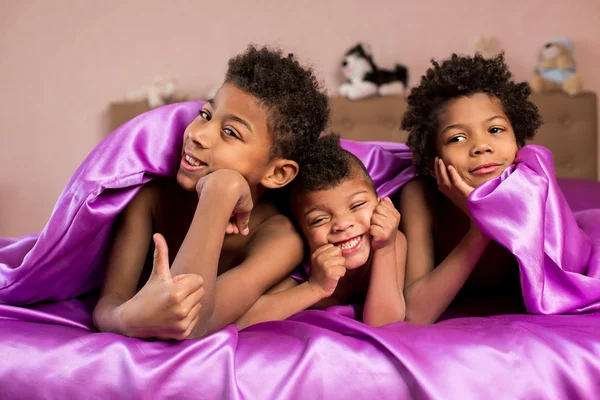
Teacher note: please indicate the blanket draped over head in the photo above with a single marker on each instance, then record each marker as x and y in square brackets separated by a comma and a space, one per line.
[48, 287]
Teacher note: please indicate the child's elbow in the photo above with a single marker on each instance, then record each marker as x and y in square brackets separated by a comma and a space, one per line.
[246, 320]
[206, 315]
[97, 319]
[375, 323]
[382, 320]
[201, 329]
[417, 318]
[106, 317]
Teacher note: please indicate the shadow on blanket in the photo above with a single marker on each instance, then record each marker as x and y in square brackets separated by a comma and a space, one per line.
[50, 349]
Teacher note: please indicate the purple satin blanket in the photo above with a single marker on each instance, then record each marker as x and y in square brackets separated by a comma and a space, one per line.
[50, 350]
[558, 251]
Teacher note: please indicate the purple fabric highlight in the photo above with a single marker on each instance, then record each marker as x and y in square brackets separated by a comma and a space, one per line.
[51, 350]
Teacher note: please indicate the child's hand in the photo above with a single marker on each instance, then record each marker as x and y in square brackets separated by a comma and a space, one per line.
[327, 267]
[225, 184]
[452, 185]
[166, 307]
[384, 224]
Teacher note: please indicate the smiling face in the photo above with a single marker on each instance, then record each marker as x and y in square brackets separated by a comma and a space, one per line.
[340, 216]
[230, 132]
[476, 137]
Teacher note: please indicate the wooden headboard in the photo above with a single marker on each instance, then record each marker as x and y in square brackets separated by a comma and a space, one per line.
[569, 130]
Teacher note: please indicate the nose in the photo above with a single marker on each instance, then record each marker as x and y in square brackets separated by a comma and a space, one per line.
[481, 147]
[201, 135]
[342, 224]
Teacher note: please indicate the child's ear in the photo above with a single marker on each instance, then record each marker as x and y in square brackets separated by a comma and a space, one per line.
[281, 172]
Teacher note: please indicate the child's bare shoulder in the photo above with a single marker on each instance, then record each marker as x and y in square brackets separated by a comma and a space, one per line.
[275, 223]
[152, 190]
[418, 189]
[145, 199]
[417, 203]
[269, 228]
[274, 227]
[155, 198]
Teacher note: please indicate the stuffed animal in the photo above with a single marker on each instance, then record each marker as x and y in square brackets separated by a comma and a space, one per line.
[365, 79]
[157, 94]
[487, 46]
[557, 69]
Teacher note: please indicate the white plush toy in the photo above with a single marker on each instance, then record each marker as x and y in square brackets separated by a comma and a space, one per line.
[365, 79]
[157, 94]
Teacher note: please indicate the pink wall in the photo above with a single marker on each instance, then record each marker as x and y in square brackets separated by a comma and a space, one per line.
[62, 62]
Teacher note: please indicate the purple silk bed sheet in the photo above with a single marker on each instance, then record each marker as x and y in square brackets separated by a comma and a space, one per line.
[49, 348]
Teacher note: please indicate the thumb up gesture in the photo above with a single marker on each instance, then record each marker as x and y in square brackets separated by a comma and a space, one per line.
[167, 307]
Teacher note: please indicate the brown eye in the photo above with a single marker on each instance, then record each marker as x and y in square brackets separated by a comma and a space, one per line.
[204, 115]
[357, 205]
[230, 133]
[317, 221]
[456, 139]
[496, 130]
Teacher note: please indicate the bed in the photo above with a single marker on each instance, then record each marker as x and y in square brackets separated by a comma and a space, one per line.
[48, 284]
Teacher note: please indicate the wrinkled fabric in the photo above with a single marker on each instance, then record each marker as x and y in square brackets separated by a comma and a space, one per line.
[558, 250]
[65, 259]
[50, 350]
[68, 255]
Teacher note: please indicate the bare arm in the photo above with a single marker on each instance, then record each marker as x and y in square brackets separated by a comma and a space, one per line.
[384, 303]
[126, 261]
[428, 291]
[274, 251]
[201, 249]
[288, 297]
[282, 301]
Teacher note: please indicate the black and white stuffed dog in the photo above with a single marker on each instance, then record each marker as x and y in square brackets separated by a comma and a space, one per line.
[366, 79]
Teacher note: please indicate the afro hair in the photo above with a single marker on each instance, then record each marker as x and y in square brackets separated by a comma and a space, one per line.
[297, 108]
[463, 76]
[326, 165]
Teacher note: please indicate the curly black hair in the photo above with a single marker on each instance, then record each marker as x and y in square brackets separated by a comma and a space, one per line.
[326, 165]
[463, 76]
[297, 107]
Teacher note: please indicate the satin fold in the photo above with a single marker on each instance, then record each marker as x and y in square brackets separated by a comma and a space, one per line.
[558, 250]
[48, 283]
[314, 354]
[65, 260]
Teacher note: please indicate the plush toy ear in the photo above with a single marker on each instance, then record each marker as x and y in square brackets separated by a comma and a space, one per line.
[486, 46]
[564, 41]
[357, 49]
[367, 49]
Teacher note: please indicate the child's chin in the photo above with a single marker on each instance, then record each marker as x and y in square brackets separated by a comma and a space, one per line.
[357, 260]
[185, 182]
[477, 182]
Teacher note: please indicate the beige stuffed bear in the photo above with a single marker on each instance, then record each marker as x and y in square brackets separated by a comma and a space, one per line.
[487, 46]
[557, 69]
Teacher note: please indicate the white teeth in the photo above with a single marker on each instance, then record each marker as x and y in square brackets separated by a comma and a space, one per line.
[350, 244]
[191, 161]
